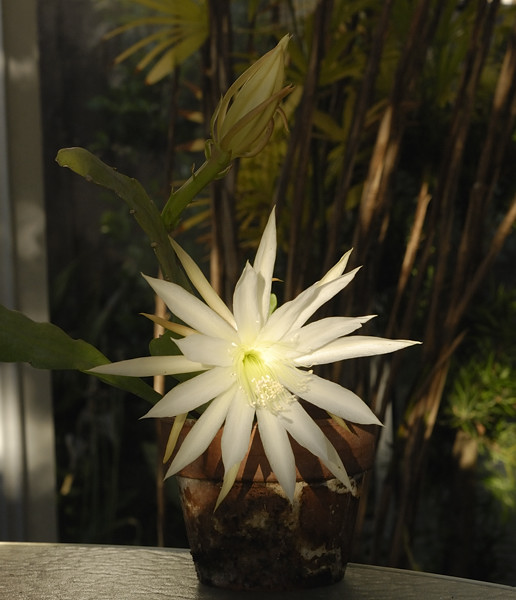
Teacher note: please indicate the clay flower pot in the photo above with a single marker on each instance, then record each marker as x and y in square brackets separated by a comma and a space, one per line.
[257, 539]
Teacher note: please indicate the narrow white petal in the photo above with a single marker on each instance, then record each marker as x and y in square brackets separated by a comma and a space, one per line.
[352, 347]
[278, 450]
[322, 293]
[230, 476]
[237, 430]
[173, 436]
[264, 263]
[246, 307]
[148, 366]
[333, 398]
[319, 333]
[202, 285]
[193, 393]
[191, 310]
[308, 434]
[336, 270]
[207, 350]
[295, 313]
[202, 433]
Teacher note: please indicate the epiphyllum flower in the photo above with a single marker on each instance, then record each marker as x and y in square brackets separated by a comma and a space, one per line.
[256, 364]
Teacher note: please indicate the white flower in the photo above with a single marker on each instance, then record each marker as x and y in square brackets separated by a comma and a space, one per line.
[256, 364]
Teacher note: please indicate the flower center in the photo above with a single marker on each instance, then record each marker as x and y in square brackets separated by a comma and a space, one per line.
[260, 384]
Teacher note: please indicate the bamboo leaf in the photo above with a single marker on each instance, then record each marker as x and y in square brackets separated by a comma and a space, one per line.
[184, 28]
[187, 9]
[140, 22]
[138, 45]
[329, 126]
[152, 54]
[159, 5]
[175, 56]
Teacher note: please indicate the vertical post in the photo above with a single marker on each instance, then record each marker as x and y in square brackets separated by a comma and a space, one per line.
[27, 462]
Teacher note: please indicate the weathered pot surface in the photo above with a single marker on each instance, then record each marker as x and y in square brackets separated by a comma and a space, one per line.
[257, 538]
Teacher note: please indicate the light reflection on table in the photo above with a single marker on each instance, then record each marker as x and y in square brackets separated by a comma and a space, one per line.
[82, 572]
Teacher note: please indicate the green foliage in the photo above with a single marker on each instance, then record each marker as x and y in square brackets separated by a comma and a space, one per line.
[482, 400]
[179, 30]
[133, 117]
[45, 346]
[131, 191]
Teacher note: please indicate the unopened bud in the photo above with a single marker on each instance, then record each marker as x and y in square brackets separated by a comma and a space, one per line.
[244, 118]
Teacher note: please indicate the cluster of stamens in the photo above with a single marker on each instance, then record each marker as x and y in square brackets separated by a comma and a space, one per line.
[270, 394]
[262, 388]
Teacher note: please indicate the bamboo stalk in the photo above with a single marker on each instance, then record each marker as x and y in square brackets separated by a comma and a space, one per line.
[502, 232]
[296, 165]
[452, 160]
[376, 196]
[224, 264]
[498, 135]
[409, 258]
[363, 102]
[422, 416]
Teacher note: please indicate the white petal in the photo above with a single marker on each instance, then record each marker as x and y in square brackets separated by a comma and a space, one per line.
[264, 263]
[148, 366]
[308, 434]
[294, 314]
[352, 347]
[207, 350]
[319, 333]
[278, 450]
[245, 305]
[202, 433]
[336, 270]
[191, 310]
[193, 393]
[333, 398]
[237, 430]
[202, 285]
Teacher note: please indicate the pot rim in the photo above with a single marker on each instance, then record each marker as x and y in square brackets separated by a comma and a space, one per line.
[355, 447]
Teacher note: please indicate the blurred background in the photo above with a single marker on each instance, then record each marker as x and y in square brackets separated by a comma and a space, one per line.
[401, 144]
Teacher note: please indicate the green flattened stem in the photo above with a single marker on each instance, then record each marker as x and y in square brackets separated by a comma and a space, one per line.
[215, 166]
[144, 210]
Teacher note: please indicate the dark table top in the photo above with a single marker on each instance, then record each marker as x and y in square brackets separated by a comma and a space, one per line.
[32, 571]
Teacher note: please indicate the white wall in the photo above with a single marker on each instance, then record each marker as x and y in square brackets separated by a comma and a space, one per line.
[27, 462]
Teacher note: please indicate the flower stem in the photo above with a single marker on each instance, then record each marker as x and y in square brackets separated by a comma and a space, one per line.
[213, 168]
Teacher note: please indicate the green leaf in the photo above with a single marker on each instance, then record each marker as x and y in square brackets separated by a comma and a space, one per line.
[46, 346]
[130, 190]
[164, 345]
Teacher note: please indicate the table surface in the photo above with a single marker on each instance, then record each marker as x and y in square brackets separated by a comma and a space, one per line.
[31, 571]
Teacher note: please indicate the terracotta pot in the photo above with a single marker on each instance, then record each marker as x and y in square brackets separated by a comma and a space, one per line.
[257, 538]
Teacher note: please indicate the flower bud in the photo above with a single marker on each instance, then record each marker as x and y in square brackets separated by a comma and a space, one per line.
[244, 118]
